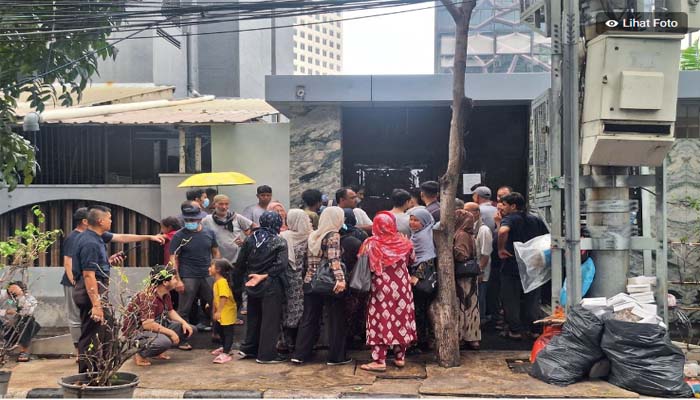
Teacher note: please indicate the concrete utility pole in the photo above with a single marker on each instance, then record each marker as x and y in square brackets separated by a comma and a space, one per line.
[570, 135]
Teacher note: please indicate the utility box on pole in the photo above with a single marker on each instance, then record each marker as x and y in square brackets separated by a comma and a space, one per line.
[629, 108]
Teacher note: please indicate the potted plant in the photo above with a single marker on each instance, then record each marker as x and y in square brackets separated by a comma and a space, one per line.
[18, 253]
[122, 339]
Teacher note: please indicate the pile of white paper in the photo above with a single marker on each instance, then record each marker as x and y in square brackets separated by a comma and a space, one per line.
[637, 305]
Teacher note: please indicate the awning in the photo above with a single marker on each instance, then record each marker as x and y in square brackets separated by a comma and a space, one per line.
[190, 111]
[106, 93]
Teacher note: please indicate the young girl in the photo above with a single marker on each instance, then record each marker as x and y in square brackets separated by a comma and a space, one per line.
[224, 308]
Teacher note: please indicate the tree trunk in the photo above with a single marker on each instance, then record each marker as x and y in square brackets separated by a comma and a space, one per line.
[444, 308]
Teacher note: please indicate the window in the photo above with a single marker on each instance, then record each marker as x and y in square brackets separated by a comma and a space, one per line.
[688, 121]
[325, 42]
[318, 39]
[325, 30]
[325, 64]
[303, 70]
[332, 66]
[302, 57]
[332, 56]
[311, 60]
[302, 46]
[311, 48]
[331, 32]
[302, 34]
[338, 46]
[318, 51]
[337, 57]
[317, 28]
[325, 53]
[317, 62]
[337, 35]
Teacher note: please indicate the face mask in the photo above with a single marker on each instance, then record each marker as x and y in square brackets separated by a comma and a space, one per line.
[191, 226]
[205, 204]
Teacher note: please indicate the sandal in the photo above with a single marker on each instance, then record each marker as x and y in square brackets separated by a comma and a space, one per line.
[142, 362]
[185, 347]
[373, 367]
[239, 322]
[400, 363]
[23, 357]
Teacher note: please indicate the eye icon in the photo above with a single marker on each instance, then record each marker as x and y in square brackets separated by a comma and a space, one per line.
[611, 23]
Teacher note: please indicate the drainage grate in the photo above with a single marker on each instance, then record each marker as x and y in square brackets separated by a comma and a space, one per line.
[519, 365]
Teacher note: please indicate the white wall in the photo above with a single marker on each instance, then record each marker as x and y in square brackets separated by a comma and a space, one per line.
[259, 150]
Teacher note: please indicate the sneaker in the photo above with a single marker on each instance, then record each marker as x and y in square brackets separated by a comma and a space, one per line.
[245, 355]
[217, 351]
[203, 327]
[222, 358]
[331, 363]
[278, 359]
[296, 361]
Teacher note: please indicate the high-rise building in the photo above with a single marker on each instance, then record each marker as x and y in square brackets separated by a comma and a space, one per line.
[318, 47]
[230, 58]
[498, 42]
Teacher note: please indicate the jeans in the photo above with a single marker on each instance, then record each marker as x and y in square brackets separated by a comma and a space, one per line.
[193, 287]
[158, 343]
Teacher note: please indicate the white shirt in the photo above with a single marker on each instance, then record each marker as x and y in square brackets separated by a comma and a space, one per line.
[484, 246]
[361, 216]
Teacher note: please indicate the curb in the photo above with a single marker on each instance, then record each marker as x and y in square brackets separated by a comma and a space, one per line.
[223, 394]
[44, 393]
[365, 395]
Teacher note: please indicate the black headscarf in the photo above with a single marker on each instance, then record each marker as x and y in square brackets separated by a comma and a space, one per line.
[270, 224]
[349, 228]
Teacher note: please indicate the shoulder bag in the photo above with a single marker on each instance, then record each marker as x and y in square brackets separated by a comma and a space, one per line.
[323, 281]
[361, 276]
[427, 285]
[467, 269]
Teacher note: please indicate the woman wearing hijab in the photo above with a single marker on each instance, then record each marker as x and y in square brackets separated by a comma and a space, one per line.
[324, 246]
[297, 237]
[467, 292]
[390, 314]
[263, 262]
[277, 207]
[350, 228]
[421, 223]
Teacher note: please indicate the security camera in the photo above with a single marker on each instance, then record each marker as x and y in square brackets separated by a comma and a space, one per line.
[301, 92]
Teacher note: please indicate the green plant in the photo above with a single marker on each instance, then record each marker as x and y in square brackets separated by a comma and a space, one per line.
[41, 65]
[690, 58]
[25, 246]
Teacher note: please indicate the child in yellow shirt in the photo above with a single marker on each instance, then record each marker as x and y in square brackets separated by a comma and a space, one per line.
[224, 307]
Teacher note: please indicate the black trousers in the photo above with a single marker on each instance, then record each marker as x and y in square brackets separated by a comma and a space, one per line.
[225, 332]
[22, 332]
[493, 291]
[95, 339]
[310, 324]
[520, 308]
[263, 324]
[423, 326]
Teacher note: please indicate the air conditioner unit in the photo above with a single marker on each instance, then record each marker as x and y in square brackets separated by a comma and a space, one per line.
[629, 107]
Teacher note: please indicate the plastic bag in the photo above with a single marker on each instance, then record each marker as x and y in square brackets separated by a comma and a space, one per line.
[361, 277]
[643, 359]
[534, 261]
[548, 333]
[569, 356]
[587, 275]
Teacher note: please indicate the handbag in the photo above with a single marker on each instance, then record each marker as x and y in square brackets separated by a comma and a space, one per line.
[323, 282]
[361, 276]
[427, 286]
[467, 269]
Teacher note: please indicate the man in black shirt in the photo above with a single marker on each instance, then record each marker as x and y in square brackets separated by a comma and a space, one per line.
[429, 193]
[192, 249]
[517, 226]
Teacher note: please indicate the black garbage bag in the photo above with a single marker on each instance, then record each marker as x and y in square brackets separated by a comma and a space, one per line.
[643, 359]
[569, 356]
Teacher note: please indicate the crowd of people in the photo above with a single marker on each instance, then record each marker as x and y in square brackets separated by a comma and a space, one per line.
[286, 270]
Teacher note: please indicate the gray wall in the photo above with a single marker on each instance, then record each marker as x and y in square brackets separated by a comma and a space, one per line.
[255, 58]
[258, 150]
[171, 196]
[144, 199]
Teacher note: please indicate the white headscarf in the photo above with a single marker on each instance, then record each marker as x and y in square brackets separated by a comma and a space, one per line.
[299, 227]
[331, 220]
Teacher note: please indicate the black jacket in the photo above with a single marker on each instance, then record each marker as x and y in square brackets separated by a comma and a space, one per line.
[271, 258]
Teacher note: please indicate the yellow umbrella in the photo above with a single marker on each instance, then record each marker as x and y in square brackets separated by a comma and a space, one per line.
[209, 179]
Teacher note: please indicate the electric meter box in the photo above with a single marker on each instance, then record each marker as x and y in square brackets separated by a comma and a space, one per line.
[629, 105]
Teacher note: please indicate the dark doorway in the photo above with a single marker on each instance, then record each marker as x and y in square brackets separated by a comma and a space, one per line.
[400, 147]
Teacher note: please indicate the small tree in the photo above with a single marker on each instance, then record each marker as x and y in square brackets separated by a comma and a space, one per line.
[444, 309]
[690, 58]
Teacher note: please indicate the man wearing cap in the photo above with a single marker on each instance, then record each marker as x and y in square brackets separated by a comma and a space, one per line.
[482, 197]
[153, 313]
[254, 211]
[429, 194]
[192, 249]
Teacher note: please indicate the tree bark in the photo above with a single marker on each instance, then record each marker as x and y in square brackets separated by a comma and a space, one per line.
[444, 308]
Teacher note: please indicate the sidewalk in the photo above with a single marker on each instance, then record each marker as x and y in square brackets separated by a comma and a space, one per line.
[482, 374]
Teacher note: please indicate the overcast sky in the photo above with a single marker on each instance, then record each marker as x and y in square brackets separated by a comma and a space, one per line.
[389, 44]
